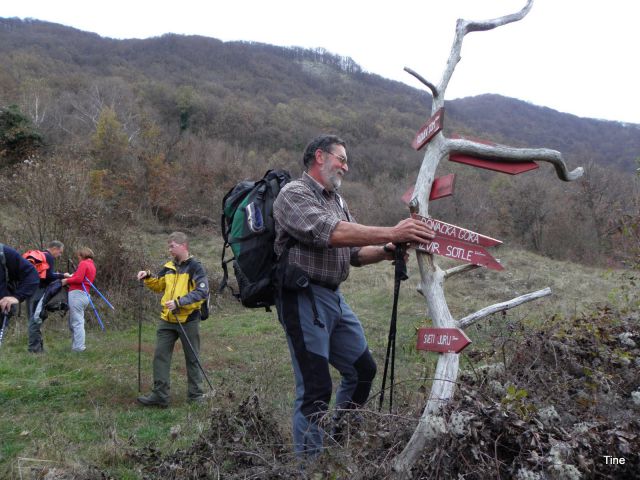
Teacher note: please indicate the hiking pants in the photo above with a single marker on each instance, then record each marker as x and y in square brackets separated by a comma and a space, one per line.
[166, 337]
[334, 338]
[78, 301]
[35, 343]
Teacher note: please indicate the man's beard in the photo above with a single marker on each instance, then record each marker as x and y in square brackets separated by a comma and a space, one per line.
[331, 177]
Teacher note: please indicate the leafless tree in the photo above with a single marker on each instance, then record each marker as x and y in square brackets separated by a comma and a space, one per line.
[432, 276]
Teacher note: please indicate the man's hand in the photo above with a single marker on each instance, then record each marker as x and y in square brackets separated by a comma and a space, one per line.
[6, 303]
[390, 252]
[412, 230]
[171, 305]
[142, 274]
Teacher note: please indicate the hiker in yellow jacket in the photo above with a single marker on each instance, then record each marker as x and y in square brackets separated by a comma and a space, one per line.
[184, 285]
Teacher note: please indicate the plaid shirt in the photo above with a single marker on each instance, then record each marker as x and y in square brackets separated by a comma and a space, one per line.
[306, 211]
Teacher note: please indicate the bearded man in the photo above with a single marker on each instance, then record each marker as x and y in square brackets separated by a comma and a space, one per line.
[317, 240]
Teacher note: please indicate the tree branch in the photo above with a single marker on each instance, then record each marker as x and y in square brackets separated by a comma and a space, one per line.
[460, 269]
[501, 307]
[484, 25]
[462, 28]
[431, 86]
[513, 154]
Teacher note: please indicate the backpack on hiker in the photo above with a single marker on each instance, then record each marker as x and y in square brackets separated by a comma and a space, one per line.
[54, 299]
[248, 228]
[39, 260]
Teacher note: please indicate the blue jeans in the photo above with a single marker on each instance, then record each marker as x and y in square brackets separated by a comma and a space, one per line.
[334, 338]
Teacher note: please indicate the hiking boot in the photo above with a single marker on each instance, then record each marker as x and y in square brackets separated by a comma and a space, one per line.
[201, 398]
[152, 400]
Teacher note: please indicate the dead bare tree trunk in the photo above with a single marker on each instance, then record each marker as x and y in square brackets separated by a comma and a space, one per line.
[432, 277]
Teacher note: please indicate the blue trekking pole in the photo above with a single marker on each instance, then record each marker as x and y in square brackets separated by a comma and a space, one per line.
[102, 296]
[94, 307]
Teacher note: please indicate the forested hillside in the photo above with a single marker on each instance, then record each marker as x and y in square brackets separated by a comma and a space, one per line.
[159, 129]
[583, 140]
[115, 143]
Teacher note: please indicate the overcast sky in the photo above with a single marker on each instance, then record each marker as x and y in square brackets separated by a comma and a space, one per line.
[575, 56]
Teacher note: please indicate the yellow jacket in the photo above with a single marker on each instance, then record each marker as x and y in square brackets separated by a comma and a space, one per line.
[186, 283]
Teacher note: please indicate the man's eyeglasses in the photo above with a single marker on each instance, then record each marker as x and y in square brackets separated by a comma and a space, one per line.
[343, 160]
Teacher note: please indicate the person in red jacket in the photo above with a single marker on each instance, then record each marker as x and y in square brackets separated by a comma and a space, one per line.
[79, 296]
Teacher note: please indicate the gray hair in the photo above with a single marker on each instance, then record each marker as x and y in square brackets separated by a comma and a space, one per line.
[322, 142]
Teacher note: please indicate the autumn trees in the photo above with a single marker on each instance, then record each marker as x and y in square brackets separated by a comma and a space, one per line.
[163, 127]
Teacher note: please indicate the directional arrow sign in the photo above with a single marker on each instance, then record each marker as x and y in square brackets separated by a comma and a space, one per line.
[512, 168]
[454, 232]
[429, 130]
[443, 340]
[441, 187]
[465, 252]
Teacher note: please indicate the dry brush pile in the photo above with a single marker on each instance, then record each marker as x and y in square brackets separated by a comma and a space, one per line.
[550, 402]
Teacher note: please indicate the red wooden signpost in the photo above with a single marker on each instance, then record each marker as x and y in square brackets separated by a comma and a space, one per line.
[441, 187]
[459, 243]
[457, 250]
[443, 340]
[457, 233]
[429, 130]
[512, 168]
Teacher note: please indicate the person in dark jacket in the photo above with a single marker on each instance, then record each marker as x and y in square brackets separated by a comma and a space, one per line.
[18, 279]
[54, 250]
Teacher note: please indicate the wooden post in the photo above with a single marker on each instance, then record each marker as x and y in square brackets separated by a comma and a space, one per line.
[432, 277]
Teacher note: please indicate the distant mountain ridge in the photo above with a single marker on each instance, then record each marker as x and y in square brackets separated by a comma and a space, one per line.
[259, 72]
[521, 123]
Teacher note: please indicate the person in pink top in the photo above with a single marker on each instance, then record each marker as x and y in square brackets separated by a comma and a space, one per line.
[79, 296]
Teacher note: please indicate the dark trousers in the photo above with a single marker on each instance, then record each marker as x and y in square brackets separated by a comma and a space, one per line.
[166, 337]
[334, 338]
[35, 343]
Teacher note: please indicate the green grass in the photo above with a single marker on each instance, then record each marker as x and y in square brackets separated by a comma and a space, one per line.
[79, 409]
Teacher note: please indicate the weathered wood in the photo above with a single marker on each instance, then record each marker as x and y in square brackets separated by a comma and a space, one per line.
[501, 307]
[462, 28]
[424, 81]
[513, 154]
[459, 269]
[431, 275]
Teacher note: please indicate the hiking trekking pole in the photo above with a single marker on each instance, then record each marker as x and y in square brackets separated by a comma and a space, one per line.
[195, 355]
[92, 305]
[139, 353]
[140, 345]
[5, 322]
[400, 275]
[102, 296]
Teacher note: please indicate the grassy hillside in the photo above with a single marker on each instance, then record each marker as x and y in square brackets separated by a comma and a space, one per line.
[72, 412]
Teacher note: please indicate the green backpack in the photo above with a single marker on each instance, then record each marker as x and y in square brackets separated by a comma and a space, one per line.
[248, 229]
